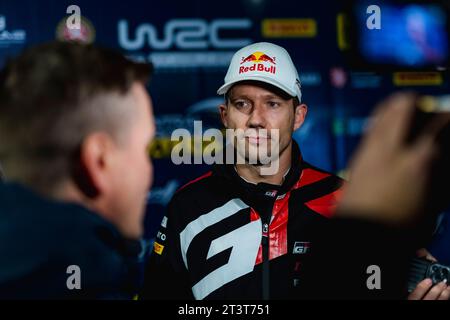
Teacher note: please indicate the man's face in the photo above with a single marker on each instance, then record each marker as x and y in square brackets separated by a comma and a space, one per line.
[257, 111]
[133, 172]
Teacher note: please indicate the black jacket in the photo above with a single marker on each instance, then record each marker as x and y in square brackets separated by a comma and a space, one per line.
[224, 238]
[40, 239]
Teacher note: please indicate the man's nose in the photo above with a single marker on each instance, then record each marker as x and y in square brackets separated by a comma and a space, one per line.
[257, 117]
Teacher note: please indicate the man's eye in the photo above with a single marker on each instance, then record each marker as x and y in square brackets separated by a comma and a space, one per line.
[273, 104]
[242, 104]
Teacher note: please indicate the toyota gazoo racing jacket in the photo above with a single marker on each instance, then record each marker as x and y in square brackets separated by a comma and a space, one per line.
[225, 238]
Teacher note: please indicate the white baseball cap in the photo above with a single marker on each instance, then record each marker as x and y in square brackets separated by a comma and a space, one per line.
[266, 62]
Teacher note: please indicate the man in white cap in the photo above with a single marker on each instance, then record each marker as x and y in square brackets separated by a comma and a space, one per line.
[239, 232]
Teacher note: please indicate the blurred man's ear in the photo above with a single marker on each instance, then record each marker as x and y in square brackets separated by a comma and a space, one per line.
[300, 115]
[94, 164]
[223, 110]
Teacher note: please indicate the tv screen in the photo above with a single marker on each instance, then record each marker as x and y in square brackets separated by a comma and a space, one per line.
[410, 35]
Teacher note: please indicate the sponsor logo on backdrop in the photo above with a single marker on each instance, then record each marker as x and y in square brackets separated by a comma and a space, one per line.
[310, 79]
[366, 80]
[10, 37]
[85, 34]
[162, 145]
[417, 78]
[341, 34]
[351, 126]
[289, 28]
[184, 43]
[206, 109]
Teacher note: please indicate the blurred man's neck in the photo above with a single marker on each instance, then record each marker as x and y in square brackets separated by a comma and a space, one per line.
[252, 173]
[69, 192]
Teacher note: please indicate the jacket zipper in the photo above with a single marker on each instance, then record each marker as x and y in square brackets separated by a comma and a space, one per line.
[265, 262]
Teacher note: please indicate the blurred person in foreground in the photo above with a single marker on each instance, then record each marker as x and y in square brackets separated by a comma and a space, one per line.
[75, 125]
[395, 189]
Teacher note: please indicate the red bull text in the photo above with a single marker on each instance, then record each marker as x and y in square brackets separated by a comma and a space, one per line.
[257, 57]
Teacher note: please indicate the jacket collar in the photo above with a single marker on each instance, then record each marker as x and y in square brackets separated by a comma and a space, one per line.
[228, 172]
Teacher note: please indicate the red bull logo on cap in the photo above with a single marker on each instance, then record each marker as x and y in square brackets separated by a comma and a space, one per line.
[256, 58]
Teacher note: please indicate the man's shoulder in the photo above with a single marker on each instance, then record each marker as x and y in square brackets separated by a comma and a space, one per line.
[50, 225]
[312, 174]
[320, 190]
[198, 188]
[55, 236]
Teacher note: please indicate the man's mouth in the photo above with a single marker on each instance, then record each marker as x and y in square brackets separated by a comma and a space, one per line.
[257, 139]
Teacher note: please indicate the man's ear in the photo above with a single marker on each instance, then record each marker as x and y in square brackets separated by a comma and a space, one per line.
[223, 110]
[300, 115]
[95, 161]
